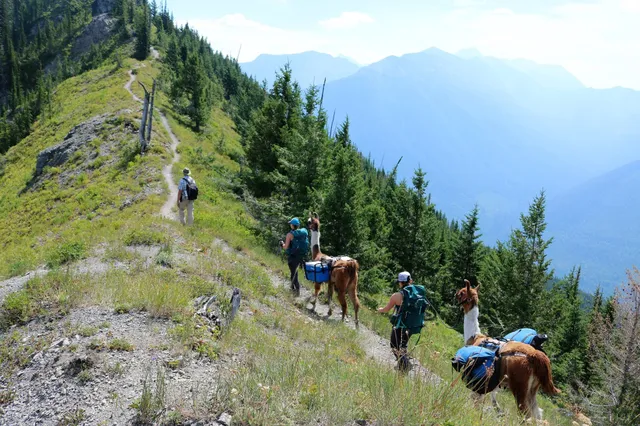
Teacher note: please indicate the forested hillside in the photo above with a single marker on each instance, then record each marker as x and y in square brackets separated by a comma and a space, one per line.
[261, 156]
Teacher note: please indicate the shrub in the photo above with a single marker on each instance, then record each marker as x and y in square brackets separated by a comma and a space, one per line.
[88, 331]
[85, 377]
[17, 308]
[165, 256]
[120, 345]
[65, 253]
[143, 237]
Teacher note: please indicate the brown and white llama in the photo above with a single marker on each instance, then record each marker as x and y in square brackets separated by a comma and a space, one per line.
[344, 279]
[523, 369]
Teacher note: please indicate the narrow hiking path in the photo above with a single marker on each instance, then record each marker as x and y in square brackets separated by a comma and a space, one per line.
[374, 346]
[166, 210]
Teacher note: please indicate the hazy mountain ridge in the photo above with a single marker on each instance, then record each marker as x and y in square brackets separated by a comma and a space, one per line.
[309, 67]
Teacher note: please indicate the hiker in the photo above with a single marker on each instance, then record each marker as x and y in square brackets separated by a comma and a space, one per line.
[187, 194]
[296, 245]
[408, 319]
[314, 227]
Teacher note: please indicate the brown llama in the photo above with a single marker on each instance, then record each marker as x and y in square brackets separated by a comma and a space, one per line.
[343, 278]
[523, 369]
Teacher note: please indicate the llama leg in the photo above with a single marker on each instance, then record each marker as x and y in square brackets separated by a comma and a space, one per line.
[494, 399]
[342, 297]
[535, 412]
[353, 295]
[315, 295]
[329, 297]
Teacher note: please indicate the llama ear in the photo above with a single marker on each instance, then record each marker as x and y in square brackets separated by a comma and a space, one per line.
[478, 286]
[468, 284]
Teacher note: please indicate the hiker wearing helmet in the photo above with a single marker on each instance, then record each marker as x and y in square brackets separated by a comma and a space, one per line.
[408, 318]
[296, 245]
[187, 194]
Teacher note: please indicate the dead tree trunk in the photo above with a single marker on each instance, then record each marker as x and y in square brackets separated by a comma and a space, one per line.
[143, 122]
[153, 97]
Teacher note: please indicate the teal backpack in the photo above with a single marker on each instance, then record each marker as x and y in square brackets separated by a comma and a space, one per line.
[300, 243]
[411, 312]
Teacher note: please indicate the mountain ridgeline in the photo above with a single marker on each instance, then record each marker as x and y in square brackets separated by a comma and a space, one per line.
[495, 132]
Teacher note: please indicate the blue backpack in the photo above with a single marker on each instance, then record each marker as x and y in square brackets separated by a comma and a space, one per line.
[528, 336]
[479, 367]
[410, 314]
[300, 244]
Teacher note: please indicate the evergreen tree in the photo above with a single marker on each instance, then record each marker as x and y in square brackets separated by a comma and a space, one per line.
[343, 209]
[195, 85]
[143, 32]
[467, 251]
[519, 270]
[569, 342]
[273, 128]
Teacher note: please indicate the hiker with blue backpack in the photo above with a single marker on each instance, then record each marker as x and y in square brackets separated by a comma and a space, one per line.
[410, 304]
[296, 246]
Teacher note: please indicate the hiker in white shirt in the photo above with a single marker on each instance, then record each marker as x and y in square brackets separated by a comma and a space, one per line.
[184, 203]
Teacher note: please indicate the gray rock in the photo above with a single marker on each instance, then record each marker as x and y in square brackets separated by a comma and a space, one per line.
[99, 30]
[224, 419]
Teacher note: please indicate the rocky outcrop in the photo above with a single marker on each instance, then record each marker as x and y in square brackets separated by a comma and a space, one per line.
[76, 139]
[99, 30]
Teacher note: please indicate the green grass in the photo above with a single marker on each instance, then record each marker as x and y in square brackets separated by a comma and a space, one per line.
[120, 345]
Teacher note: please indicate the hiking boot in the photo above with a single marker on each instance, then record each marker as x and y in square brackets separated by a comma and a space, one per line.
[404, 364]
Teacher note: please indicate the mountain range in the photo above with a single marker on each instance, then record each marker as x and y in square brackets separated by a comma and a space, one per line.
[496, 132]
[309, 67]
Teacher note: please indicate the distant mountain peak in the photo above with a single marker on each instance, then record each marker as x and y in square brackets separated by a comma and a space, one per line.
[469, 53]
[310, 67]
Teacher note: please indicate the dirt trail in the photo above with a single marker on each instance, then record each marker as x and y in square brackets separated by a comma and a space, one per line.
[166, 210]
[375, 347]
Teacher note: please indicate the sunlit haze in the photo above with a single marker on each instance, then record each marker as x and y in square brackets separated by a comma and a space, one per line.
[596, 40]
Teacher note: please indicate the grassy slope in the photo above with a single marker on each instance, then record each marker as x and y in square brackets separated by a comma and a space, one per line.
[87, 209]
[295, 370]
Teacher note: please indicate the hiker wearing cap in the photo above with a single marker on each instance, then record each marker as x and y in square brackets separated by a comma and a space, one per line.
[187, 194]
[296, 245]
[408, 319]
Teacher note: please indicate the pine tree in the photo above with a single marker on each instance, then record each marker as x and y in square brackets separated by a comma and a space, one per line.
[143, 32]
[531, 270]
[570, 342]
[467, 251]
[343, 209]
[273, 129]
[195, 85]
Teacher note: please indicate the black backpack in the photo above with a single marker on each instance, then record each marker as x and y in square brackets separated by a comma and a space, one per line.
[192, 189]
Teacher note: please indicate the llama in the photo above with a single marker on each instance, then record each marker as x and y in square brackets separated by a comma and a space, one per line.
[523, 369]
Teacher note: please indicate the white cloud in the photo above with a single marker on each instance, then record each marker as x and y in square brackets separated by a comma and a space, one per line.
[347, 20]
[597, 41]
[228, 33]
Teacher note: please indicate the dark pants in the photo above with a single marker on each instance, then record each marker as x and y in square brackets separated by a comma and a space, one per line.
[399, 340]
[294, 263]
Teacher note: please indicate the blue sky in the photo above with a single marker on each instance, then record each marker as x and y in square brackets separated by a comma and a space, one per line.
[596, 40]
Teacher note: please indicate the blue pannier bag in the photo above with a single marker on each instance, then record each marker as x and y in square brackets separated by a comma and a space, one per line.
[528, 336]
[317, 272]
[478, 367]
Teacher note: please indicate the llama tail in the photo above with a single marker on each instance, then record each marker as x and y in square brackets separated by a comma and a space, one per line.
[352, 268]
[542, 370]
